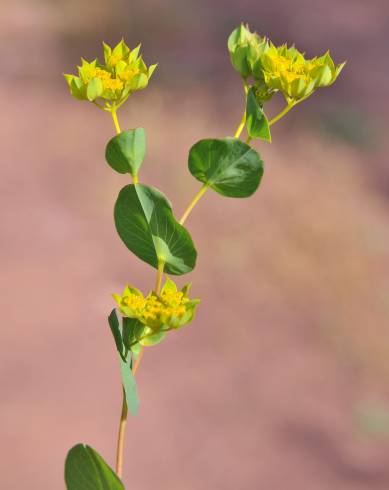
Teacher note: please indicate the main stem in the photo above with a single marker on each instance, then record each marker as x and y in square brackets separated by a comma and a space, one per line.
[121, 434]
[158, 282]
[123, 423]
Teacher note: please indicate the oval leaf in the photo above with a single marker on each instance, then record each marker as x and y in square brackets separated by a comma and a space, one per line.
[228, 166]
[85, 469]
[145, 222]
[256, 121]
[125, 152]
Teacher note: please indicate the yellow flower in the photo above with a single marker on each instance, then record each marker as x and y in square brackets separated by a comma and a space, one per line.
[122, 73]
[286, 69]
[170, 309]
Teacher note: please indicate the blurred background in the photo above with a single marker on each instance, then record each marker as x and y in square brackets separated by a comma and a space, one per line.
[282, 381]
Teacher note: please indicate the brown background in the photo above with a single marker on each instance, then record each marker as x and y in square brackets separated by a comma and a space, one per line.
[282, 380]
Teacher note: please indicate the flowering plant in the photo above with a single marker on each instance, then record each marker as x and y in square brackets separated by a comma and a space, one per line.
[143, 215]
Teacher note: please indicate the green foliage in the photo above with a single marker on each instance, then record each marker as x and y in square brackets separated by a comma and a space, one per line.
[145, 222]
[129, 385]
[113, 322]
[132, 332]
[143, 215]
[85, 469]
[229, 166]
[94, 89]
[125, 152]
[256, 121]
[126, 333]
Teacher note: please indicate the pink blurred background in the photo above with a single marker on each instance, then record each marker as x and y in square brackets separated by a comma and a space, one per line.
[282, 380]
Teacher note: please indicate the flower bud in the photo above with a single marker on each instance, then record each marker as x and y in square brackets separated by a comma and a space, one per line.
[246, 49]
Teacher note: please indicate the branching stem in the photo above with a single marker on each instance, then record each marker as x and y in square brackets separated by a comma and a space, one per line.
[193, 203]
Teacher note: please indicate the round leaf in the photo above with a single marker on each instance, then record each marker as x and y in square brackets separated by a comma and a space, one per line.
[145, 222]
[228, 166]
[85, 469]
[125, 152]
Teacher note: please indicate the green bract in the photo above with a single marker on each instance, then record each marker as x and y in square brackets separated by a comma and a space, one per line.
[229, 166]
[246, 49]
[256, 121]
[125, 152]
[324, 71]
[122, 73]
[145, 222]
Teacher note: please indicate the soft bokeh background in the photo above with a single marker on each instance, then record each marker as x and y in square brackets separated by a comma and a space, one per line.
[282, 380]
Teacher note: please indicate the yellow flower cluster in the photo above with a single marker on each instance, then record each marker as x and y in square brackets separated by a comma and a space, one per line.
[279, 68]
[171, 309]
[157, 309]
[122, 73]
[286, 69]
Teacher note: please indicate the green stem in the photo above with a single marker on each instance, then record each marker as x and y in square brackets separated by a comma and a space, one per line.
[193, 203]
[158, 281]
[241, 125]
[243, 120]
[115, 119]
[282, 113]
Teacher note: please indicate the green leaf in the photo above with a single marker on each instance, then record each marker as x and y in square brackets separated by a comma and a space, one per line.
[114, 324]
[228, 166]
[256, 121]
[85, 469]
[125, 152]
[145, 222]
[95, 89]
[132, 331]
[129, 385]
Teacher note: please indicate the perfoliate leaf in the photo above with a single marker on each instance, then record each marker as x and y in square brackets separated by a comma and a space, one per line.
[256, 121]
[228, 166]
[145, 222]
[85, 469]
[125, 152]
